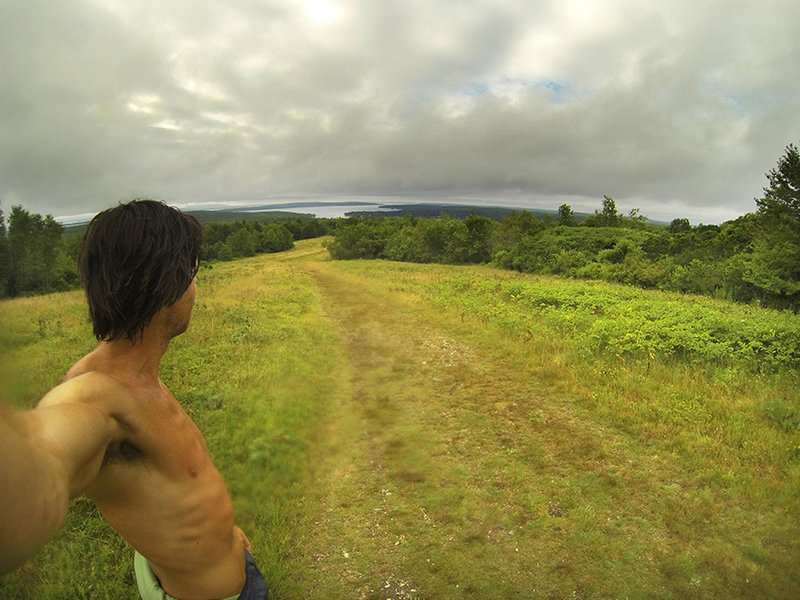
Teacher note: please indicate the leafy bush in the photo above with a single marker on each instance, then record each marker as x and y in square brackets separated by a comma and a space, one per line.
[605, 319]
[237, 239]
[363, 238]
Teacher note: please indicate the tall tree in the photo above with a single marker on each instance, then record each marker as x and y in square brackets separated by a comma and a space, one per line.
[782, 197]
[679, 225]
[514, 228]
[609, 215]
[479, 232]
[33, 244]
[566, 216]
[5, 259]
[774, 265]
[635, 220]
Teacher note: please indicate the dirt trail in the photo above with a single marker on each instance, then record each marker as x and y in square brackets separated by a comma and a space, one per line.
[434, 457]
[462, 463]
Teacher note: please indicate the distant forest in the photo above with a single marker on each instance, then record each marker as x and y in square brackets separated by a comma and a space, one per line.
[755, 258]
[39, 256]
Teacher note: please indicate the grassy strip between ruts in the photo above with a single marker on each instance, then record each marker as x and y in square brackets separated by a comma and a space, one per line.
[417, 431]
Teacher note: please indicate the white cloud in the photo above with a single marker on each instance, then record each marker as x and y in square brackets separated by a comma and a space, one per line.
[679, 108]
[322, 12]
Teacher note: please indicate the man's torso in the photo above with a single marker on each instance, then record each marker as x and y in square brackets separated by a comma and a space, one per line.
[159, 489]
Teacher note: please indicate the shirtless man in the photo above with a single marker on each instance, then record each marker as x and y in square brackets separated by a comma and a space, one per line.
[114, 431]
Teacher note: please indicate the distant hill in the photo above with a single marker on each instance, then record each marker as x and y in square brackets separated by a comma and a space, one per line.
[219, 216]
[459, 211]
[420, 210]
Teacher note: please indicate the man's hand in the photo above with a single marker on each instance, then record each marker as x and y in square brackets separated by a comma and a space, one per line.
[240, 534]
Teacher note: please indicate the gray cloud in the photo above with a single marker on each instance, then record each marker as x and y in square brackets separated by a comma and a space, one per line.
[678, 109]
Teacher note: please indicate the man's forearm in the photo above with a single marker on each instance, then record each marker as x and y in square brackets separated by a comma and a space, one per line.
[47, 456]
[35, 498]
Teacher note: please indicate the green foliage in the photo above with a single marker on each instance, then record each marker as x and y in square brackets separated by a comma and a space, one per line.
[634, 220]
[35, 258]
[601, 318]
[5, 257]
[275, 237]
[755, 258]
[443, 240]
[566, 250]
[679, 225]
[408, 244]
[566, 216]
[479, 233]
[782, 197]
[607, 217]
[243, 242]
[306, 228]
[363, 238]
[773, 267]
[237, 239]
[513, 229]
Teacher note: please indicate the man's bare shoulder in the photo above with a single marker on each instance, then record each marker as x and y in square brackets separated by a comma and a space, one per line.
[84, 366]
[90, 387]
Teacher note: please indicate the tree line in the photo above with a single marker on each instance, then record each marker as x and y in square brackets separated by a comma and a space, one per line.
[755, 258]
[38, 257]
[236, 239]
[35, 257]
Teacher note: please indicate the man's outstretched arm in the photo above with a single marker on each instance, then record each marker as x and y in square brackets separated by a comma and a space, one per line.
[47, 456]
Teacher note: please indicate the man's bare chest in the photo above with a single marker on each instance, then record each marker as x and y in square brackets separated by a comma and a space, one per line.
[159, 437]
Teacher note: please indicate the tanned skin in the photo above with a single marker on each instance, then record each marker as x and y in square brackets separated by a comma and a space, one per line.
[115, 432]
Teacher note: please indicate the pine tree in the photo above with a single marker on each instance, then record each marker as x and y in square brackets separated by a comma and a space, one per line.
[566, 216]
[774, 264]
[782, 197]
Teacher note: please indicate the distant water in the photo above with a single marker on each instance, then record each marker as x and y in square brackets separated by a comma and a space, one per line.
[70, 220]
[321, 210]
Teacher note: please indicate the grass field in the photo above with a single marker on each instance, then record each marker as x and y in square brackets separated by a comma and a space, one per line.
[398, 431]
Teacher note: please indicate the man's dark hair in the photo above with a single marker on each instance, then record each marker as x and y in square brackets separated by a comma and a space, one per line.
[135, 259]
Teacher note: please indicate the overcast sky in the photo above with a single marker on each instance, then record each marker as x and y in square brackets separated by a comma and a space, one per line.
[677, 108]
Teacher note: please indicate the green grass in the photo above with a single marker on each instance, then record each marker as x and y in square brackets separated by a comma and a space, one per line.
[401, 431]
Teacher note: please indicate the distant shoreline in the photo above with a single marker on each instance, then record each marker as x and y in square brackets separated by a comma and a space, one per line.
[332, 210]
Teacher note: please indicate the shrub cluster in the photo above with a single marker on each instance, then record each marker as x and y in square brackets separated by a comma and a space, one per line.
[226, 241]
[605, 320]
[722, 261]
[755, 258]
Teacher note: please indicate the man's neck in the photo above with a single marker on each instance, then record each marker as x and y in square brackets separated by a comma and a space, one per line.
[138, 360]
